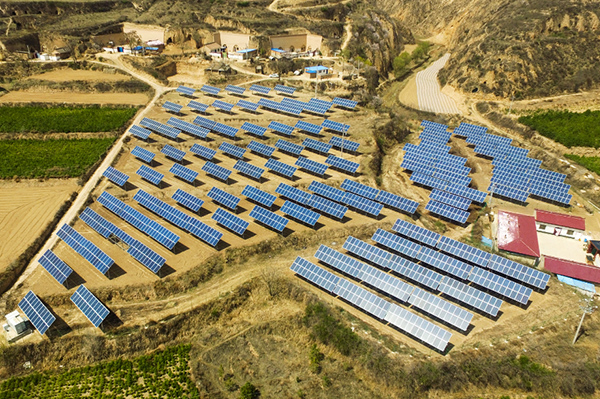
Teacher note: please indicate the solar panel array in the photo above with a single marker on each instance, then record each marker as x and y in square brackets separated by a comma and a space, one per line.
[300, 213]
[187, 127]
[397, 202]
[146, 256]
[344, 144]
[254, 129]
[188, 200]
[161, 128]
[225, 130]
[186, 174]
[89, 305]
[235, 89]
[232, 150]
[342, 164]
[311, 166]
[39, 315]
[259, 196]
[223, 197]
[281, 128]
[269, 218]
[232, 222]
[85, 248]
[211, 90]
[293, 193]
[290, 148]
[186, 91]
[327, 206]
[450, 199]
[248, 169]
[261, 148]
[55, 266]
[204, 122]
[280, 167]
[280, 107]
[342, 102]
[315, 108]
[335, 126]
[316, 145]
[171, 106]
[247, 105]
[150, 174]
[223, 105]
[417, 233]
[198, 106]
[371, 207]
[173, 153]
[285, 89]
[361, 189]
[115, 176]
[447, 211]
[143, 154]
[309, 127]
[217, 171]
[326, 191]
[140, 132]
[260, 89]
[203, 152]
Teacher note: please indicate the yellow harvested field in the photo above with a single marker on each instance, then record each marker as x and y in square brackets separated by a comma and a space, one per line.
[74, 98]
[68, 74]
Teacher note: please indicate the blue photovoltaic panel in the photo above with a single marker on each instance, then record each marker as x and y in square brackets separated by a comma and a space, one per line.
[171, 106]
[85, 248]
[55, 266]
[186, 174]
[197, 106]
[470, 296]
[188, 200]
[248, 169]
[247, 105]
[517, 271]
[280, 167]
[396, 243]
[143, 154]
[316, 145]
[269, 218]
[213, 91]
[345, 103]
[261, 148]
[367, 251]
[312, 166]
[217, 171]
[335, 126]
[360, 189]
[316, 275]
[326, 191]
[150, 174]
[36, 312]
[203, 152]
[97, 222]
[204, 122]
[500, 285]
[447, 211]
[115, 176]
[301, 213]
[441, 309]
[341, 262]
[254, 129]
[415, 232]
[232, 222]
[234, 89]
[308, 127]
[362, 298]
[173, 153]
[466, 192]
[281, 128]
[288, 147]
[422, 275]
[467, 130]
[339, 142]
[343, 164]
[222, 105]
[140, 132]
[232, 150]
[464, 251]
[285, 89]
[89, 305]
[327, 206]
[187, 127]
[160, 128]
[260, 89]
[226, 130]
[146, 256]
[450, 199]
[398, 202]
[323, 103]
[445, 263]
[507, 191]
[186, 91]
[274, 105]
[363, 204]
[293, 193]
[224, 198]
[259, 196]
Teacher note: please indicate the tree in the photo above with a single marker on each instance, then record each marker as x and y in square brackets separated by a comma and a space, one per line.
[249, 391]
[400, 64]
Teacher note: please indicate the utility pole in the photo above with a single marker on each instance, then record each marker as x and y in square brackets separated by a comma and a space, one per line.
[587, 309]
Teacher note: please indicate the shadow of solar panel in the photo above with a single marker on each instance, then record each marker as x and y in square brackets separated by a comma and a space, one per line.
[285, 89]
[171, 106]
[281, 128]
[143, 154]
[260, 89]
[232, 222]
[441, 309]
[224, 198]
[150, 174]
[412, 271]
[445, 263]
[222, 105]
[342, 102]
[316, 145]
[280, 167]
[197, 106]
[269, 218]
[204, 122]
[115, 176]
[36, 312]
[189, 128]
[367, 251]
[308, 127]
[261, 148]
[447, 211]
[147, 257]
[311, 166]
[158, 127]
[316, 275]
[344, 144]
[55, 266]
[235, 89]
[415, 232]
[173, 153]
[89, 305]
[232, 150]
[216, 171]
[326, 206]
[326, 191]
[187, 200]
[300, 213]
[87, 249]
[361, 298]
[248, 169]
[210, 90]
[362, 204]
[500, 285]
[186, 91]
[290, 148]
[203, 152]
[259, 196]
[450, 199]
[397, 202]
[464, 251]
[140, 132]
[293, 193]
[247, 105]
[397, 244]
[360, 189]
[254, 129]
[226, 130]
[186, 174]
[335, 126]
[342, 164]
[519, 272]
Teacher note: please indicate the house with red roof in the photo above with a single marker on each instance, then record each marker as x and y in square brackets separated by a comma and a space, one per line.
[517, 233]
[559, 224]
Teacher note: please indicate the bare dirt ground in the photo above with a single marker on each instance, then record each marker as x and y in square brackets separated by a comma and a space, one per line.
[25, 209]
[68, 74]
[74, 98]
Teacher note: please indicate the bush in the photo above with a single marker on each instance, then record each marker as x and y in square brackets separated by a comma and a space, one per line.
[249, 391]
[315, 357]
[591, 163]
[568, 128]
[329, 330]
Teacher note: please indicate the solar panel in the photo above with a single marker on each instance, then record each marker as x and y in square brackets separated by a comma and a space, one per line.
[397, 202]
[313, 273]
[85, 248]
[197, 106]
[143, 154]
[173, 153]
[361, 189]
[441, 309]
[335, 126]
[342, 164]
[217, 171]
[39, 315]
[213, 91]
[254, 129]
[290, 148]
[204, 122]
[226, 130]
[259, 196]
[309, 127]
[362, 298]
[186, 174]
[470, 296]
[445, 263]
[500, 285]
[367, 251]
[248, 169]
[415, 232]
[115, 176]
[89, 305]
[232, 222]
[187, 127]
[247, 105]
[450, 199]
[326, 191]
[147, 257]
[261, 148]
[269, 218]
[285, 89]
[519, 272]
[171, 106]
[504, 190]
[97, 222]
[280, 167]
[281, 128]
[363, 204]
[224, 198]
[414, 272]
[464, 251]
[150, 174]
[344, 144]
[342, 102]
[279, 107]
[300, 213]
[186, 91]
[232, 150]
[235, 89]
[140, 132]
[293, 193]
[327, 206]
[55, 266]
[203, 152]
[188, 200]
[397, 244]
[316, 145]
[466, 192]
[160, 128]
[311, 166]
[222, 105]
[320, 102]
[447, 211]
[260, 89]
[341, 262]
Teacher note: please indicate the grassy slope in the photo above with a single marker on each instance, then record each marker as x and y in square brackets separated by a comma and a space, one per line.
[591, 163]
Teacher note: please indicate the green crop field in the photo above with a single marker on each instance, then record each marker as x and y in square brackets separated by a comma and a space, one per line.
[591, 163]
[571, 129]
[63, 119]
[161, 375]
[50, 158]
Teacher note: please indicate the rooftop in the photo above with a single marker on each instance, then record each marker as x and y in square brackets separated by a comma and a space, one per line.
[517, 233]
[560, 219]
[314, 69]
[580, 271]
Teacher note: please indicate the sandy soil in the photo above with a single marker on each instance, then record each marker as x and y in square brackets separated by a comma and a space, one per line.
[408, 95]
[76, 98]
[562, 247]
[25, 209]
[67, 74]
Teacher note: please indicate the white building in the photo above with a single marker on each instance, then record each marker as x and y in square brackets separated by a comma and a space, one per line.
[16, 326]
[560, 224]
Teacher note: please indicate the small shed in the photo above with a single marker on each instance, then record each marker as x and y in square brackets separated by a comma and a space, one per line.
[316, 71]
[16, 326]
[244, 54]
[559, 224]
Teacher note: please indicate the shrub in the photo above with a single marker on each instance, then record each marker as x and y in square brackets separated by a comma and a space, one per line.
[329, 330]
[568, 128]
[249, 391]
[591, 163]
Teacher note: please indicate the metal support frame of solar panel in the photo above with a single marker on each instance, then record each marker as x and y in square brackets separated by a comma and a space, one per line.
[222, 105]
[172, 152]
[344, 144]
[186, 91]
[268, 218]
[311, 166]
[464, 251]
[260, 89]
[140, 132]
[445, 263]
[90, 306]
[261, 148]
[342, 102]
[231, 89]
[150, 175]
[116, 176]
[280, 167]
[316, 145]
[248, 169]
[186, 174]
[284, 89]
[203, 152]
[84, 247]
[259, 196]
[371, 207]
[204, 122]
[397, 202]
[327, 206]
[55, 266]
[290, 148]
[230, 221]
[500, 285]
[198, 106]
[507, 191]
[189, 128]
[138, 220]
[171, 106]
[143, 154]
[233, 150]
[300, 213]
[447, 211]
[309, 127]
[342, 164]
[470, 296]
[161, 128]
[519, 272]
[254, 129]
[211, 90]
[361, 189]
[223, 198]
[187, 200]
[281, 128]
[225, 130]
[415, 232]
[37, 313]
[326, 191]
[450, 199]
[217, 171]
[247, 105]
[335, 126]
[293, 193]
